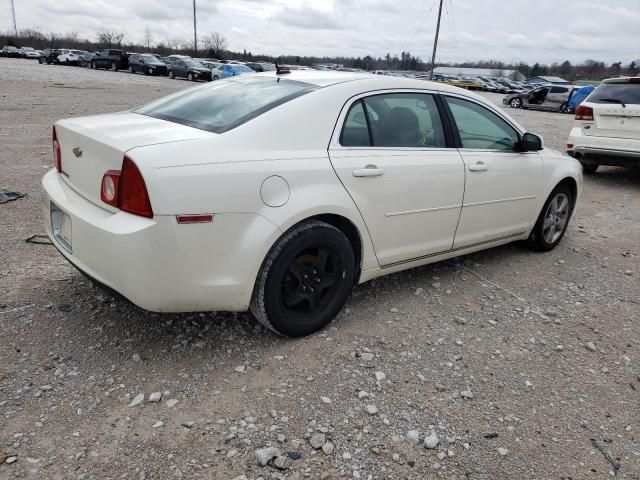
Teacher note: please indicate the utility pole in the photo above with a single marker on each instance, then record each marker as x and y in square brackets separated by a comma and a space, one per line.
[195, 31]
[13, 14]
[435, 41]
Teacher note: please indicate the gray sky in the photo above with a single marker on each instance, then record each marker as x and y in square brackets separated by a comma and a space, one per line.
[507, 30]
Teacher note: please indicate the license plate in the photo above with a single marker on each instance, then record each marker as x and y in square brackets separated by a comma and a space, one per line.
[61, 227]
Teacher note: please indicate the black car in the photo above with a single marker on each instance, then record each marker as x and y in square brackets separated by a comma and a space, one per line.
[147, 64]
[49, 56]
[189, 69]
[261, 67]
[110, 58]
[85, 59]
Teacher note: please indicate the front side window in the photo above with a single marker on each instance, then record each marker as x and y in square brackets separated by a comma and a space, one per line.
[480, 128]
[222, 106]
[394, 120]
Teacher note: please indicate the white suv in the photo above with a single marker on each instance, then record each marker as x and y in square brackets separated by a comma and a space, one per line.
[607, 130]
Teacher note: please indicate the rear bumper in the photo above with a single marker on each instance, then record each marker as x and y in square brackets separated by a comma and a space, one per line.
[604, 150]
[156, 263]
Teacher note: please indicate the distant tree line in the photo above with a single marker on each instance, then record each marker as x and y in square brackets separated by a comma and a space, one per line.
[215, 45]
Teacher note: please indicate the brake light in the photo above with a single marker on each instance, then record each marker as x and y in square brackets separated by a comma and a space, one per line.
[584, 113]
[57, 152]
[125, 189]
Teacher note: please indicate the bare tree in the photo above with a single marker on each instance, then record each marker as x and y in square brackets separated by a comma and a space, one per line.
[109, 38]
[148, 38]
[215, 43]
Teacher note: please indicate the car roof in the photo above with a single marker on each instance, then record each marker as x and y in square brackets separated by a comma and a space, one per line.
[326, 78]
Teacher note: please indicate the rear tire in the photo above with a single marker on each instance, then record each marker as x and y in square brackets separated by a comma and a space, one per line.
[114, 67]
[92, 65]
[171, 76]
[130, 69]
[553, 220]
[589, 168]
[305, 280]
[190, 77]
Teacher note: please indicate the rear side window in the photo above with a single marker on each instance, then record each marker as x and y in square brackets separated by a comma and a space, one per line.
[615, 93]
[394, 120]
[221, 106]
[559, 90]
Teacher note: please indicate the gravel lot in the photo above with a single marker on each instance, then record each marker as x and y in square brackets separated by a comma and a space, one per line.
[523, 365]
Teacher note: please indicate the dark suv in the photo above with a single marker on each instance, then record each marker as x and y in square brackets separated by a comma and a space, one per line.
[49, 56]
[110, 58]
[147, 64]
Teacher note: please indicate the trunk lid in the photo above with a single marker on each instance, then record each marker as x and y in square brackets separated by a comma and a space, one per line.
[91, 146]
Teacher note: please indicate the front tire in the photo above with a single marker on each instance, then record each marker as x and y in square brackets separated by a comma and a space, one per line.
[589, 168]
[515, 103]
[190, 77]
[553, 220]
[114, 67]
[305, 280]
[171, 76]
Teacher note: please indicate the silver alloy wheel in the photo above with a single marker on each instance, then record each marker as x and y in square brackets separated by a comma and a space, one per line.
[515, 103]
[556, 218]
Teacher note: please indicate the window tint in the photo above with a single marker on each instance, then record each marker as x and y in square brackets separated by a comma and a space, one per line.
[355, 132]
[221, 106]
[559, 90]
[480, 127]
[612, 93]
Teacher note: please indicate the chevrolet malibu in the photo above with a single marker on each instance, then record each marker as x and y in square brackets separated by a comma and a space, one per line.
[278, 192]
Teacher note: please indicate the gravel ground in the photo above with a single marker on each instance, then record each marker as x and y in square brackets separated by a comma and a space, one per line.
[504, 364]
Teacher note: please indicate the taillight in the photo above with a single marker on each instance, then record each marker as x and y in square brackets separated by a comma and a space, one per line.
[584, 113]
[57, 152]
[125, 189]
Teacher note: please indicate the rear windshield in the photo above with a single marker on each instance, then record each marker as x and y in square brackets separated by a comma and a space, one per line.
[221, 106]
[615, 93]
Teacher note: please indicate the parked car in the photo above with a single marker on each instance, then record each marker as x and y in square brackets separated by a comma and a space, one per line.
[607, 129]
[29, 52]
[552, 97]
[172, 58]
[85, 59]
[110, 58]
[49, 56]
[233, 70]
[262, 67]
[250, 202]
[189, 69]
[147, 64]
[10, 51]
[70, 57]
[211, 65]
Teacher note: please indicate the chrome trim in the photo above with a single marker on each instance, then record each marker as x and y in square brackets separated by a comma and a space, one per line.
[488, 202]
[422, 210]
[466, 247]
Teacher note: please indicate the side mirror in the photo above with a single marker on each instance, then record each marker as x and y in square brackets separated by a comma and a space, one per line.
[531, 142]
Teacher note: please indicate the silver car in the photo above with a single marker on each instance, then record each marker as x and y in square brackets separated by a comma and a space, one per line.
[546, 97]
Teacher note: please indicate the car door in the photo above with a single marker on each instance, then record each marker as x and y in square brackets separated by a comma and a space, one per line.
[537, 96]
[391, 153]
[556, 97]
[502, 182]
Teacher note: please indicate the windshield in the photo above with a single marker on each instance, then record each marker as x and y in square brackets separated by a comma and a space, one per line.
[224, 105]
[193, 63]
[242, 68]
[616, 92]
[150, 58]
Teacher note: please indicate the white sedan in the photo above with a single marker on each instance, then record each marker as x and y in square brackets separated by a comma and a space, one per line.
[279, 192]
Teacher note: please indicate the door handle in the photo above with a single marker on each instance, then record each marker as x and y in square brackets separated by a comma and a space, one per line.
[479, 167]
[368, 171]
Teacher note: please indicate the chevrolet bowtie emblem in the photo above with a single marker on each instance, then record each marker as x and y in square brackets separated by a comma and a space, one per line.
[77, 151]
